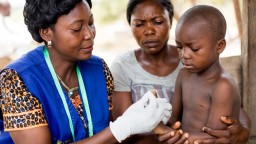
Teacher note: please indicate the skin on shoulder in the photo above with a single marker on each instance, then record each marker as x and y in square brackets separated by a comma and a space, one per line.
[203, 89]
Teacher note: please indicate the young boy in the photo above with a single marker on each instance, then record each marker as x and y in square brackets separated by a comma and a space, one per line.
[204, 91]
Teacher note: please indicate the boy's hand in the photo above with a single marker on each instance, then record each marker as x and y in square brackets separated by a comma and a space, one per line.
[162, 129]
[174, 135]
[235, 133]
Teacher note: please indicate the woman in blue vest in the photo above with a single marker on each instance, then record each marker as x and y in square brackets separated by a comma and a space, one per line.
[59, 92]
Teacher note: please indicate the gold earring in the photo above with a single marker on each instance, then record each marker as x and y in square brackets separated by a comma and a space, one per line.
[49, 43]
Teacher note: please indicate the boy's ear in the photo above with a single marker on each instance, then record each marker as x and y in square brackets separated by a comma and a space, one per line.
[46, 34]
[221, 45]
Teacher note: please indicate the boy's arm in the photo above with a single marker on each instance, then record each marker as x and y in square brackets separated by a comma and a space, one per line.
[173, 134]
[237, 131]
[176, 100]
[225, 101]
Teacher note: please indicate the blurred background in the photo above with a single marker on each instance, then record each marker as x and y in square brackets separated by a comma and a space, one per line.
[114, 37]
[113, 32]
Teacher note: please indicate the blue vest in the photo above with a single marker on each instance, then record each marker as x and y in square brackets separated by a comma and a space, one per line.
[33, 70]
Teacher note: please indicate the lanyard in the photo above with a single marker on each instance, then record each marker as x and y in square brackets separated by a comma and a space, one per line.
[61, 93]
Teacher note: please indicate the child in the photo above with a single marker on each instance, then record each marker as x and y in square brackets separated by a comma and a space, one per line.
[204, 91]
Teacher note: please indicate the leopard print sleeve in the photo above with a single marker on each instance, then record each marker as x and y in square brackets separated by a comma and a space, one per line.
[109, 83]
[20, 109]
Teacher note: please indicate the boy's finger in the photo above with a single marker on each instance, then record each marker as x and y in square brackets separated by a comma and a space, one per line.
[183, 138]
[228, 120]
[174, 139]
[176, 125]
[207, 141]
[166, 136]
[213, 141]
[216, 133]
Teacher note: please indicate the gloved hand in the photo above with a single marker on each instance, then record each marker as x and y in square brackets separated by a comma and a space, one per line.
[167, 114]
[141, 117]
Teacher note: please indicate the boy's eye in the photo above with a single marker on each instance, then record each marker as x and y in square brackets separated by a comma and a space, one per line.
[76, 30]
[158, 22]
[194, 49]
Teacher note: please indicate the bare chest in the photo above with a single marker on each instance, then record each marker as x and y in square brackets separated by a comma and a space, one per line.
[196, 99]
[197, 94]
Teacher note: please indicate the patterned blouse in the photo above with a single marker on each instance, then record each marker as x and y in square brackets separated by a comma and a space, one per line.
[22, 110]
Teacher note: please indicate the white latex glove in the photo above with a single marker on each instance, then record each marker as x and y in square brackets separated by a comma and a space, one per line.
[141, 117]
[168, 112]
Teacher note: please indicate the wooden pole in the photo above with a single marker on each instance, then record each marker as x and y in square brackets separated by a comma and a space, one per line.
[176, 16]
[193, 2]
[238, 16]
[249, 63]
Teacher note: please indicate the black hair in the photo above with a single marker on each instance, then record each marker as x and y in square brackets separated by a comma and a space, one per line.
[41, 14]
[133, 3]
[209, 14]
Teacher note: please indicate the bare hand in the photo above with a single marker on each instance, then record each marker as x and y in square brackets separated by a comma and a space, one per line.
[174, 135]
[235, 133]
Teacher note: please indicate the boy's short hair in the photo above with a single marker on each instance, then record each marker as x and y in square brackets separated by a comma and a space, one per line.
[208, 14]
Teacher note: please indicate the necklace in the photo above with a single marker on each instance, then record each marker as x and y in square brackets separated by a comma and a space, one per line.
[70, 90]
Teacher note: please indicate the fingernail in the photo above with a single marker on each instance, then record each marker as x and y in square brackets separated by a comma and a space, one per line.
[186, 135]
[181, 132]
[223, 117]
[172, 133]
[196, 142]
[203, 128]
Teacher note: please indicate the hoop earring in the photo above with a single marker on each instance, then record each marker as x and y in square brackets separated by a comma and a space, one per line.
[49, 43]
